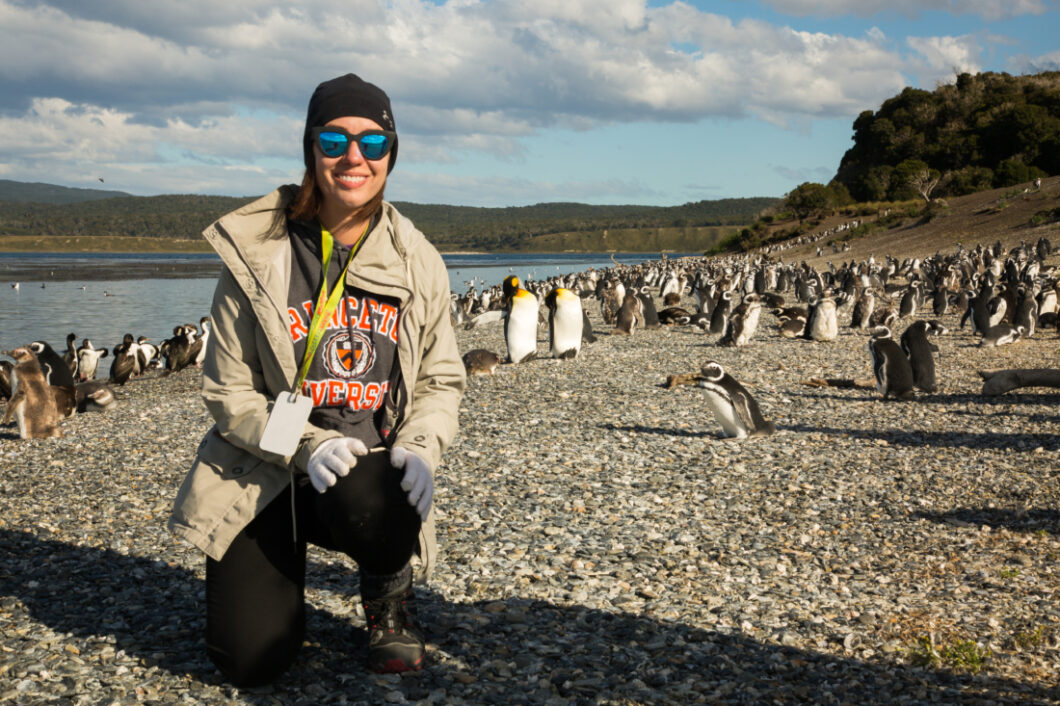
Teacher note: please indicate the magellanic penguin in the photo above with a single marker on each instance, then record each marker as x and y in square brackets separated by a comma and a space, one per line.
[732, 405]
[565, 323]
[32, 403]
[520, 325]
[894, 375]
[94, 396]
[1001, 334]
[821, 322]
[480, 361]
[60, 371]
[719, 317]
[920, 351]
[863, 309]
[743, 323]
[628, 314]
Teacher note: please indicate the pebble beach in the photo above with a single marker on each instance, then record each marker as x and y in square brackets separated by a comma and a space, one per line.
[600, 542]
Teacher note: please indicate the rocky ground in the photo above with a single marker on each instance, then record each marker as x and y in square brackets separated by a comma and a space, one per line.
[601, 543]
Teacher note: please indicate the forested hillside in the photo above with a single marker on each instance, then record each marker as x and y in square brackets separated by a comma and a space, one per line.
[984, 131]
[449, 227]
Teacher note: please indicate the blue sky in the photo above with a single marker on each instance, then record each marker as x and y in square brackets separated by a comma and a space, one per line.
[497, 103]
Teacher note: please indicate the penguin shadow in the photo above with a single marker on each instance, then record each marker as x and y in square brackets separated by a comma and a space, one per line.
[154, 612]
[660, 431]
[939, 439]
[1017, 520]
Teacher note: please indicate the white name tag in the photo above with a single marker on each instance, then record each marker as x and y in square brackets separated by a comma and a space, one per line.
[284, 429]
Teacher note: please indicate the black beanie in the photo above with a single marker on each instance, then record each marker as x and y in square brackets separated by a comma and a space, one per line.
[344, 96]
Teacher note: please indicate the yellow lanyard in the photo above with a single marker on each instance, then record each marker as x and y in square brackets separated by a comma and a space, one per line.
[326, 303]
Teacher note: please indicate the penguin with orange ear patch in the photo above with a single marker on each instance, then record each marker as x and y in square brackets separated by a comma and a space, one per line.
[565, 322]
[520, 325]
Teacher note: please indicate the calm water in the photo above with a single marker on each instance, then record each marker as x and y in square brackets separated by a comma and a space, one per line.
[103, 297]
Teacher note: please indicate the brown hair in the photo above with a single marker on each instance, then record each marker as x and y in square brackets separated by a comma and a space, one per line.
[306, 203]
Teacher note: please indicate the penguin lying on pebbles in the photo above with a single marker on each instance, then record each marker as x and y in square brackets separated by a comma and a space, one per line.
[94, 396]
[732, 405]
[1002, 334]
[480, 361]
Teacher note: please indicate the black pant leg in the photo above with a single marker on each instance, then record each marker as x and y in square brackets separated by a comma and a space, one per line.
[255, 608]
[367, 516]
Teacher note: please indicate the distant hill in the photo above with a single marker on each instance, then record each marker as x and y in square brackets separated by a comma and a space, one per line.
[547, 226]
[36, 192]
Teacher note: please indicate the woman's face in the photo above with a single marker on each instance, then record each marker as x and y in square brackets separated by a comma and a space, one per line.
[350, 181]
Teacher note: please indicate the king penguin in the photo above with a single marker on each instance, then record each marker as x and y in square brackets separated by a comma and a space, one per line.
[894, 375]
[565, 324]
[732, 405]
[520, 325]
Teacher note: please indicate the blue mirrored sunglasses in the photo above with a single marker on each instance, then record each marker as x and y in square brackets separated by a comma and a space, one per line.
[373, 144]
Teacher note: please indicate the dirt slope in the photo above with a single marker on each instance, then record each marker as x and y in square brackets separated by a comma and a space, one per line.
[985, 217]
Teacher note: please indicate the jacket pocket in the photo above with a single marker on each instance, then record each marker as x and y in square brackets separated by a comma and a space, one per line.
[225, 459]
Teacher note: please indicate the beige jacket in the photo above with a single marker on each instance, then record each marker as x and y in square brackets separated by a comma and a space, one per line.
[250, 360]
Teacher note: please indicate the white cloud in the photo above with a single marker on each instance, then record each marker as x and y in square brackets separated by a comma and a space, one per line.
[154, 88]
[987, 9]
[1023, 64]
[943, 57]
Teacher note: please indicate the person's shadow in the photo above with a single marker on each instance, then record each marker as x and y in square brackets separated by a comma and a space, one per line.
[528, 650]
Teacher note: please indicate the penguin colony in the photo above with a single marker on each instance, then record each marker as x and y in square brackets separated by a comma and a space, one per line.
[1003, 294]
[44, 387]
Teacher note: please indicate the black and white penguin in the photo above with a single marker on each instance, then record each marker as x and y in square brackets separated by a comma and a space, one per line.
[733, 406]
[894, 375]
[719, 317]
[920, 351]
[1026, 315]
[587, 328]
[743, 322]
[480, 361]
[821, 319]
[520, 324]
[672, 315]
[94, 396]
[60, 373]
[863, 308]
[649, 315]
[88, 360]
[628, 315]
[940, 301]
[565, 323]
[1001, 334]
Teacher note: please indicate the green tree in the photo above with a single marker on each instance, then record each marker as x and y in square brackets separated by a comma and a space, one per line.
[808, 199]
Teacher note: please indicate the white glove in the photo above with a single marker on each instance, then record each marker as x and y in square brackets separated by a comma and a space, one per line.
[333, 459]
[417, 481]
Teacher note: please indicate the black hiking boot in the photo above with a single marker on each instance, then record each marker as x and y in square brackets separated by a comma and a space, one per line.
[394, 640]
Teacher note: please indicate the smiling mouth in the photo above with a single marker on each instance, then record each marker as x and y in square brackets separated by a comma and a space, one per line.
[351, 179]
